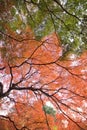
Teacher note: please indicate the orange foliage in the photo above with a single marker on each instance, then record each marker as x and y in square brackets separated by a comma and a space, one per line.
[6, 125]
[31, 116]
[36, 66]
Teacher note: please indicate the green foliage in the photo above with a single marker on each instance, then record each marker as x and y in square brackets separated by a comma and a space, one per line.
[49, 110]
[16, 23]
[13, 11]
[68, 19]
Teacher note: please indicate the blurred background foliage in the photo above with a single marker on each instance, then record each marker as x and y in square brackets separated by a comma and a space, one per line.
[67, 18]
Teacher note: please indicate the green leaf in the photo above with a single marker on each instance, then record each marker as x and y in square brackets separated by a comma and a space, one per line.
[49, 110]
[16, 23]
[13, 11]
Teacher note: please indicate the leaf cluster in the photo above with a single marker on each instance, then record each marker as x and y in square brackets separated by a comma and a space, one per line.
[49, 110]
[66, 18]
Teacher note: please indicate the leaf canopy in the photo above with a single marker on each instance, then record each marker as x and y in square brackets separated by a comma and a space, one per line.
[65, 17]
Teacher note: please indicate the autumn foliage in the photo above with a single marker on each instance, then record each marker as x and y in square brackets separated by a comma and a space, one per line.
[34, 73]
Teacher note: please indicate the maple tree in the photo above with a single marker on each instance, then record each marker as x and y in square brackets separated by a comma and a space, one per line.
[36, 74]
[43, 87]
